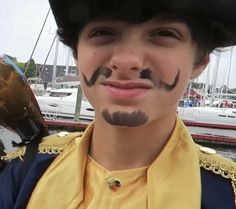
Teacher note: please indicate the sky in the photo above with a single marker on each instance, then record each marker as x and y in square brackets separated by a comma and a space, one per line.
[22, 20]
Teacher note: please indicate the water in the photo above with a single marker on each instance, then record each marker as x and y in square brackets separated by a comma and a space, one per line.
[229, 152]
[226, 151]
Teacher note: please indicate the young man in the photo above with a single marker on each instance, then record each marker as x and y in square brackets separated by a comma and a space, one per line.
[135, 59]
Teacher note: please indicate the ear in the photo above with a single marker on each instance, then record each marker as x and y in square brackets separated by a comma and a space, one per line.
[76, 61]
[75, 53]
[199, 67]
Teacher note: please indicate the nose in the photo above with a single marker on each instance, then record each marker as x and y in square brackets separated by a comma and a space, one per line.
[126, 57]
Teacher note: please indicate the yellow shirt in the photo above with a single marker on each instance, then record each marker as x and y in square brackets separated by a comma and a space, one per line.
[173, 179]
[99, 193]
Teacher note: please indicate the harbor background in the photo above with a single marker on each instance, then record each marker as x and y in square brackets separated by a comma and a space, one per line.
[37, 11]
[225, 150]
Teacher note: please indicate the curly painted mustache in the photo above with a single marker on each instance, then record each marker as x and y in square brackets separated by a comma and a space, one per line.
[144, 74]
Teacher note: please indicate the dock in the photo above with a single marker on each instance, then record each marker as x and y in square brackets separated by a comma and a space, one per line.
[209, 125]
[69, 125]
[201, 134]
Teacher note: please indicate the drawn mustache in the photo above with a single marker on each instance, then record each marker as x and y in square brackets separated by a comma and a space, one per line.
[147, 74]
[103, 71]
[144, 74]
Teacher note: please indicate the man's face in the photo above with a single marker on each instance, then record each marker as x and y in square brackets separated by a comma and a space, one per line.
[135, 74]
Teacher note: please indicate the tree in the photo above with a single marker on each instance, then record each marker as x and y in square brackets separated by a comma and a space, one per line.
[20, 65]
[31, 71]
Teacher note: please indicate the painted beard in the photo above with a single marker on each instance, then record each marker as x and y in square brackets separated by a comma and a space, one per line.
[136, 118]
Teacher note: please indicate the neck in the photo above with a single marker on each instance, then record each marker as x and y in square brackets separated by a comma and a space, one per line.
[117, 148]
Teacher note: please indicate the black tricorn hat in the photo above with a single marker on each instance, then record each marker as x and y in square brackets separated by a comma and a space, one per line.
[221, 13]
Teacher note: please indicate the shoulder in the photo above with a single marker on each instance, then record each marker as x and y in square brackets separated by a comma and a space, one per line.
[53, 144]
[10, 182]
[218, 177]
[210, 161]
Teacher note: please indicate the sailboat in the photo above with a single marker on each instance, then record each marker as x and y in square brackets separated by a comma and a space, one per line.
[215, 111]
[61, 104]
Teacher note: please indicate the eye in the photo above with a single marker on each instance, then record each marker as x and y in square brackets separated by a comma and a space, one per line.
[100, 32]
[165, 33]
[102, 35]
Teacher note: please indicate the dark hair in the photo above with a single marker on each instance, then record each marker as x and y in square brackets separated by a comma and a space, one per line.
[206, 34]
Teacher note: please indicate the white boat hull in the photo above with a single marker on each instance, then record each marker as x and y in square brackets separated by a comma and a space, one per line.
[64, 106]
[209, 115]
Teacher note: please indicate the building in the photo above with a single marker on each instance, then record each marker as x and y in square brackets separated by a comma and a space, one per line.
[46, 73]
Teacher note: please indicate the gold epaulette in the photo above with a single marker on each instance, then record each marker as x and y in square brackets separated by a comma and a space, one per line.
[219, 165]
[53, 144]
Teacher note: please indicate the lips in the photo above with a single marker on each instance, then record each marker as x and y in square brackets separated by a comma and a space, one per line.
[125, 89]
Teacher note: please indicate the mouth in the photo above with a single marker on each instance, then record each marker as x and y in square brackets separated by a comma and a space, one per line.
[125, 89]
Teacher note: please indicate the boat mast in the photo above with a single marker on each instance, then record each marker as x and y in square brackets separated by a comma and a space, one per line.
[207, 83]
[230, 65]
[68, 61]
[42, 67]
[28, 63]
[55, 63]
[214, 78]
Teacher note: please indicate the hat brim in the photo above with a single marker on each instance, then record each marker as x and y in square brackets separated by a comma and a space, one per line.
[74, 13]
